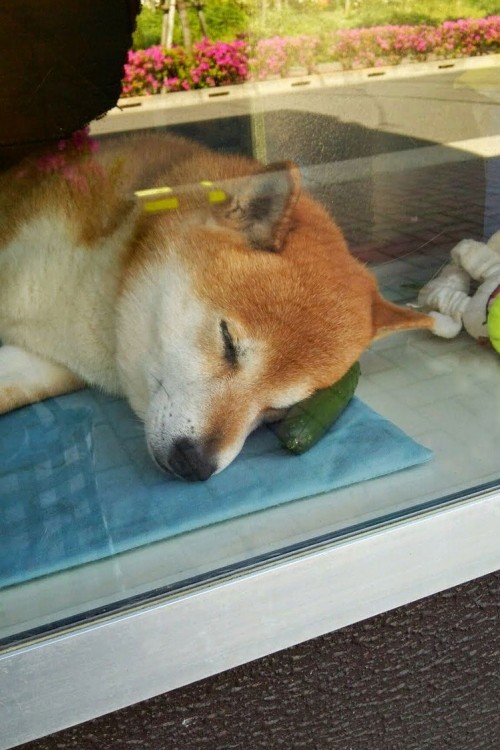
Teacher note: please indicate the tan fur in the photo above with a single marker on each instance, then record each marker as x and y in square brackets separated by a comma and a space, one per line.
[26, 378]
[140, 298]
[14, 396]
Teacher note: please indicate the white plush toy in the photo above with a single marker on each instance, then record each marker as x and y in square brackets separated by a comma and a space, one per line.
[447, 295]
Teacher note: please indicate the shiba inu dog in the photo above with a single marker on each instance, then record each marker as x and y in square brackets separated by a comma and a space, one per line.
[208, 290]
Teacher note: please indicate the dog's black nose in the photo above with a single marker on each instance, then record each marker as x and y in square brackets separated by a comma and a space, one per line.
[187, 460]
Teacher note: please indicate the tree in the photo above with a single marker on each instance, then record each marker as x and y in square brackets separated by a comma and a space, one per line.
[169, 7]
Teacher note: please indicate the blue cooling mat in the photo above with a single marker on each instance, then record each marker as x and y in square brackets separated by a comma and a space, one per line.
[77, 484]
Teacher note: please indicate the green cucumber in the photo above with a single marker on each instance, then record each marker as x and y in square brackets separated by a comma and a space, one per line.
[306, 422]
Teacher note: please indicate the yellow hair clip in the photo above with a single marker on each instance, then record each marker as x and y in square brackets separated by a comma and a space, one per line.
[214, 196]
[159, 203]
[163, 198]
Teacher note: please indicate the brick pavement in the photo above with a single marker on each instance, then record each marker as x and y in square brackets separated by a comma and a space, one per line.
[411, 212]
[404, 224]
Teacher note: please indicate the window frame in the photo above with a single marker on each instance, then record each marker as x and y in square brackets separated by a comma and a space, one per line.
[104, 665]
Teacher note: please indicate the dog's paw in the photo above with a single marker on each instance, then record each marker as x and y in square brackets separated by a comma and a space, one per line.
[26, 378]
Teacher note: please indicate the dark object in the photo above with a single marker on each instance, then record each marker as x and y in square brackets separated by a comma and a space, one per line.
[306, 422]
[61, 67]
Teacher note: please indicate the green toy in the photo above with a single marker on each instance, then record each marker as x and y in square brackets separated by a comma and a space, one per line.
[306, 422]
[493, 321]
[466, 293]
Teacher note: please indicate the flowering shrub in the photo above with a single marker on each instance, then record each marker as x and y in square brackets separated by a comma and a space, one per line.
[388, 45]
[468, 37]
[382, 45]
[277, 55]
[219, 63]
[153, 70]
[79, 143]
[79, 173]
[157, 69]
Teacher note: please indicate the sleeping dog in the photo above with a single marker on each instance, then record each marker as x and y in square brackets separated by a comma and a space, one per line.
[210, 291]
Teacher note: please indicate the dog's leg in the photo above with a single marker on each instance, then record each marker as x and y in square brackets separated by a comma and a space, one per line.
[26, 378]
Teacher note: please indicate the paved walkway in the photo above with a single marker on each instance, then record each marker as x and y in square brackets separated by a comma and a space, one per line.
[404, 223]
[417, 212]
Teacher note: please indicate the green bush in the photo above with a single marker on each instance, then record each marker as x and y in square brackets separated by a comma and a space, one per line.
[230, 19]
[159, 70]
[316, 16]
[147, 30]
[433, 12]
[226, 20]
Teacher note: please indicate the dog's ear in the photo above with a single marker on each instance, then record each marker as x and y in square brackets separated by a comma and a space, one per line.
[389, 318]
[260, 205]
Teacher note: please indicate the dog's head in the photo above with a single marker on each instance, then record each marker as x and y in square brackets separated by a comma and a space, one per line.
[232, 312]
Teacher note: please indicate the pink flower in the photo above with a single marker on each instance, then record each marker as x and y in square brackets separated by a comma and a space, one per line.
[221, 63]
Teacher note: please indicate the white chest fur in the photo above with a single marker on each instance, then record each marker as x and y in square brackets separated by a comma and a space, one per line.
[58, 299]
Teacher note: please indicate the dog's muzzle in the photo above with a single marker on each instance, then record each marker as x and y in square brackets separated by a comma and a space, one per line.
[188, 460]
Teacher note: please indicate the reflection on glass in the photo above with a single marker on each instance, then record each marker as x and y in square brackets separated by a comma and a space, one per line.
[394, 131]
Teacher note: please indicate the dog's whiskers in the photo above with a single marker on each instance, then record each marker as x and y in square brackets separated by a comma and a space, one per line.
[161, 385]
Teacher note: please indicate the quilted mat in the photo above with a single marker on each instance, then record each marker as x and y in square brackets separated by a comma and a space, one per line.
[77, 483]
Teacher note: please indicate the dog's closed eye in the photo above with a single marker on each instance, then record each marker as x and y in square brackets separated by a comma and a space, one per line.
[230, 349]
